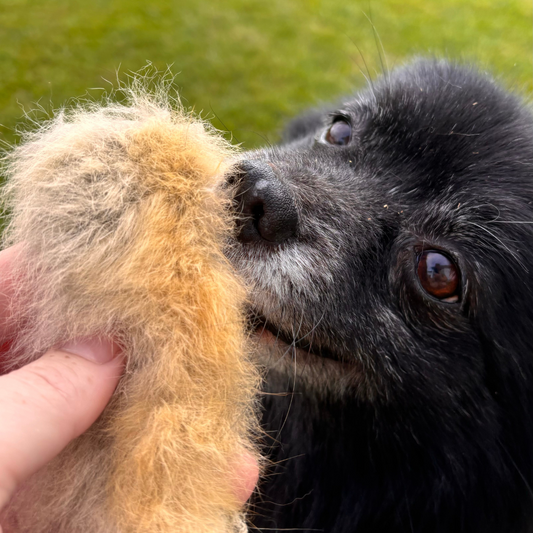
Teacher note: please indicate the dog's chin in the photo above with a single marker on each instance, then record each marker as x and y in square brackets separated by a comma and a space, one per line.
[306, 367]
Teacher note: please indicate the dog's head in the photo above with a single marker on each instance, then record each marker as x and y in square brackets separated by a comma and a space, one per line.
[389, 242]
[389, 245]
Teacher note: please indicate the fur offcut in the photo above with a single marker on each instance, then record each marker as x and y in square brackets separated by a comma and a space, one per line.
[122, 220]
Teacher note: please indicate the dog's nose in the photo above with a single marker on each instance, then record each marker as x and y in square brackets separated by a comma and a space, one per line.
[265, 205]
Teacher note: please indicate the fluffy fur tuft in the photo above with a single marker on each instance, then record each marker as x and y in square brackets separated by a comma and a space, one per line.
[122, 217]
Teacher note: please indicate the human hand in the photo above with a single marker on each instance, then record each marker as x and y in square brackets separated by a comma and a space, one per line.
[49, 402]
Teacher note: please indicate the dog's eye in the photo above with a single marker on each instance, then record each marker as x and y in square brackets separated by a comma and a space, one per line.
[340, 133]
[439, 276]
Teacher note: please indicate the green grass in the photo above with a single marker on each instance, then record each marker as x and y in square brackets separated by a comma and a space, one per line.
[247, 64]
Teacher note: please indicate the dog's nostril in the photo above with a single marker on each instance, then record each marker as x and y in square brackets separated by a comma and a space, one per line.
[258, 212]
[265, 203]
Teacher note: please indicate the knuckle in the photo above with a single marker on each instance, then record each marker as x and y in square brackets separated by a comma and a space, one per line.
[56, 385]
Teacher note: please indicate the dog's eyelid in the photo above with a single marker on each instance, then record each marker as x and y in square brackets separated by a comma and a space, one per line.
[337, 116]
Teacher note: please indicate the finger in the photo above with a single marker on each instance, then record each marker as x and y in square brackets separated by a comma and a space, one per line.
[46, 404]
[246, 476]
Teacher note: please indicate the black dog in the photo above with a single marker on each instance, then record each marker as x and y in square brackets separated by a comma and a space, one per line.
[390, 246]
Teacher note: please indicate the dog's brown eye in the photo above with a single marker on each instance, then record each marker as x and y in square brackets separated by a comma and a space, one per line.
[439, 276]
[339, 133]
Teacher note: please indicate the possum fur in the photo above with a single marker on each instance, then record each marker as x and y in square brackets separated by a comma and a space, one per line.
[123, 220]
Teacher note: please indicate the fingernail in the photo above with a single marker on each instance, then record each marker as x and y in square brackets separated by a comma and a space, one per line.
[96, 349]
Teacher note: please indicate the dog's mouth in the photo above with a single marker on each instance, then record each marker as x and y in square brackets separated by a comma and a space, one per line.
[304, 359]
[266, 331]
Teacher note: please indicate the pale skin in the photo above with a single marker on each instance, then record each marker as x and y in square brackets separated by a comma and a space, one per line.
[47, 403]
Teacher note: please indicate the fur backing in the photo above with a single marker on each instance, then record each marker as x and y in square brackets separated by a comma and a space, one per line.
[122, 219]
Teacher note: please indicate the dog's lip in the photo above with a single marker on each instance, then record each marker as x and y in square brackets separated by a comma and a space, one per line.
[270, 335]
[311, 368]
[314, 370]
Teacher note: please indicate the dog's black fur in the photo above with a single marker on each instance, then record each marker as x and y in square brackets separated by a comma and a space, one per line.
[411, 414]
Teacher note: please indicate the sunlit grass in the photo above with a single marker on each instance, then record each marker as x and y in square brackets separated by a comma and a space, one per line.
[247, 64]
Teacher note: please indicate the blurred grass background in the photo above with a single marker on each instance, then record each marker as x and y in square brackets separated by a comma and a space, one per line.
[247, 64]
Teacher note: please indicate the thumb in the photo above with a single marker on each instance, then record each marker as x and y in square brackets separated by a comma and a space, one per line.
[49, 402]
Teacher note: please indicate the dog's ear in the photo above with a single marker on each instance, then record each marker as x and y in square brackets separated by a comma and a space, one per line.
[306, 124]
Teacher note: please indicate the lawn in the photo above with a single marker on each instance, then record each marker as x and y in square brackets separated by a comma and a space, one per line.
[246, 64]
